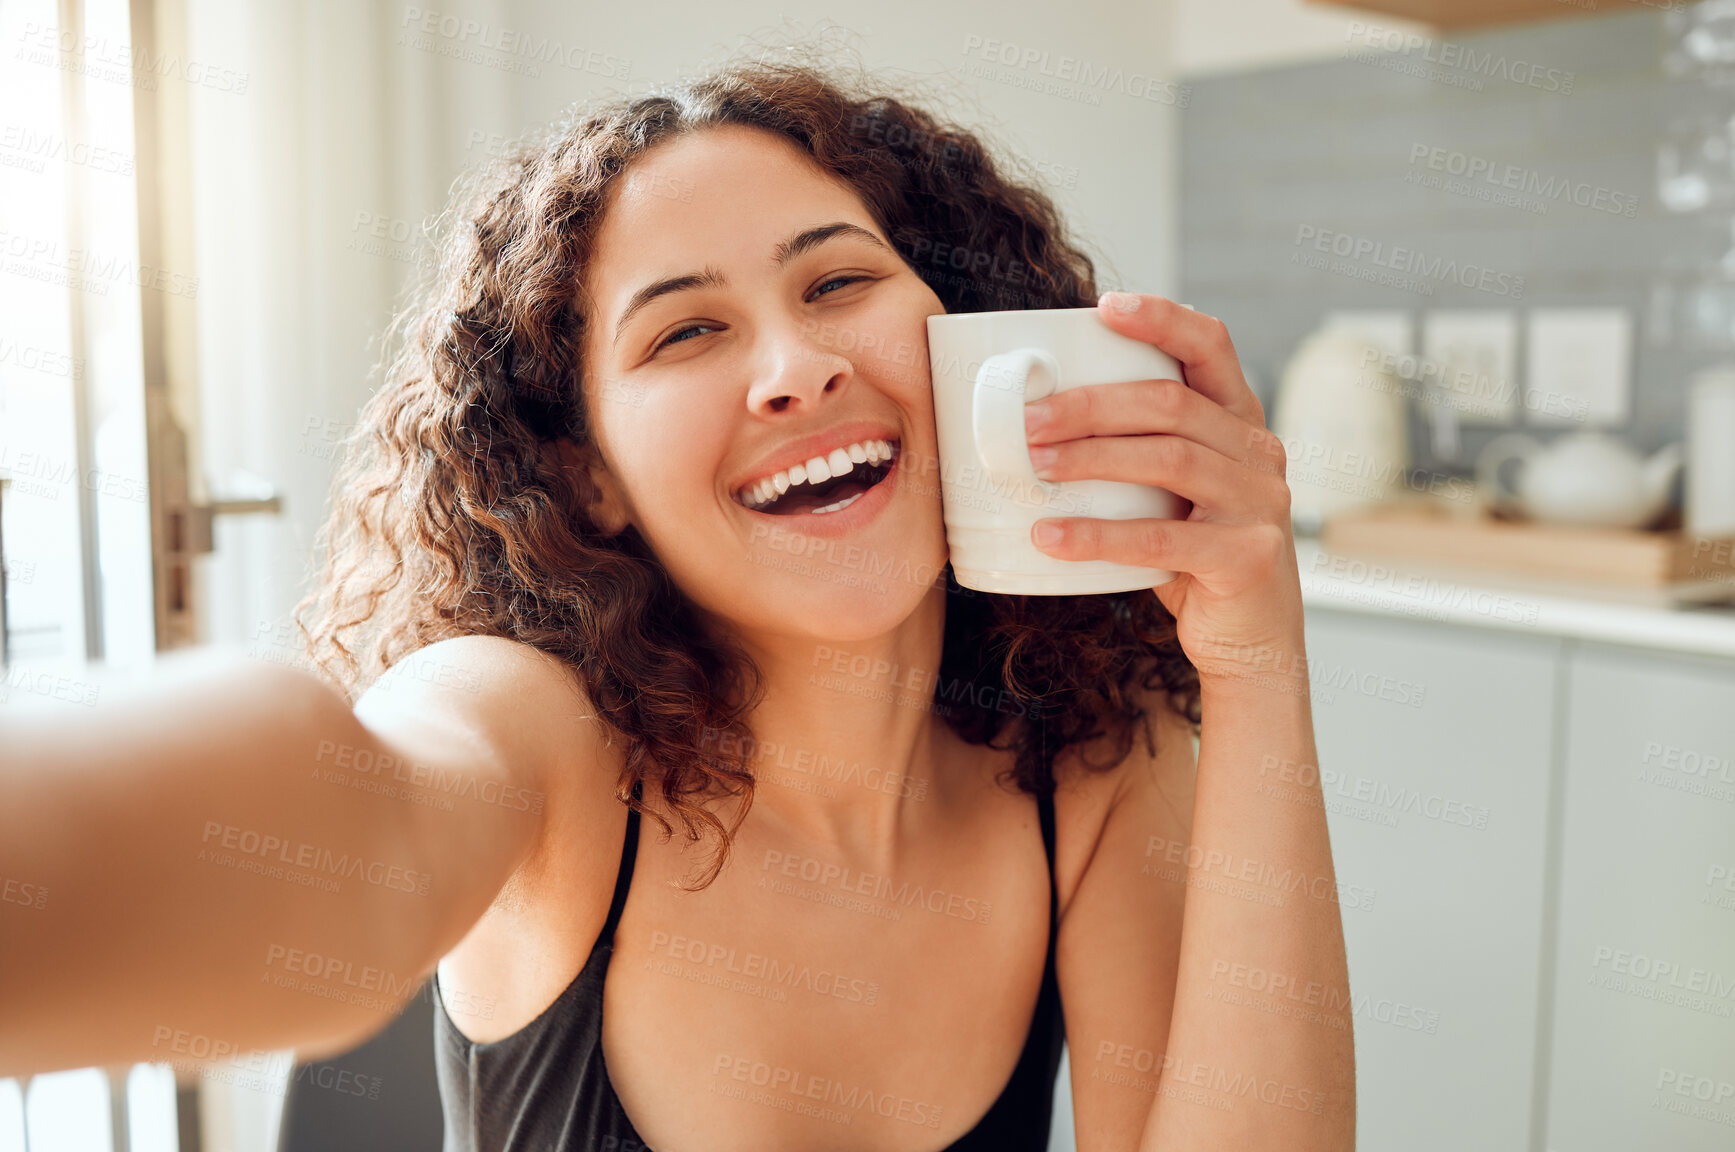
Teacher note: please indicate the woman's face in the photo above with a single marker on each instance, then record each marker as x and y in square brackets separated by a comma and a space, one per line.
[749, 318]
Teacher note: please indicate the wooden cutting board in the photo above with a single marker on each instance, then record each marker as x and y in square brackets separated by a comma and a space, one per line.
[1623, 556]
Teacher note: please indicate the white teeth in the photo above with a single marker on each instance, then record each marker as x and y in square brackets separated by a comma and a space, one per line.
[838, 462]
[840, 505]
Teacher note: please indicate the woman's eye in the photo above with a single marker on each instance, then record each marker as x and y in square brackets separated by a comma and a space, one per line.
[679, 335]
[676, 336]
[840, 280]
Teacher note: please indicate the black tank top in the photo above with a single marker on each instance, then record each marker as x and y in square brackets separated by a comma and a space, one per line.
[545, 1088]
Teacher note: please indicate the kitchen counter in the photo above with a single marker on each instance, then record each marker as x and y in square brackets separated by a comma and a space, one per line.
[1480, 598]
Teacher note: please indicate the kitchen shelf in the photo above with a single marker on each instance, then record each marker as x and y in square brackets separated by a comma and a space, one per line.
[1672, 562]
[1461, 14]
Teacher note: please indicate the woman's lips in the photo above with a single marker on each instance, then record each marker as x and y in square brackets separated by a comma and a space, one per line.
[860, 459]
[856, 511]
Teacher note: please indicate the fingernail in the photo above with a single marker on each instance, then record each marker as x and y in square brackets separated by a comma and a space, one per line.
[1122, 302]
[1036, 415]
[1042, 459]
[1046, 532]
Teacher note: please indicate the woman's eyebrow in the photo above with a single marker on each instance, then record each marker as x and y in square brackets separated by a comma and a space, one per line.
[709, 278]
[787, 250]
[814, 237]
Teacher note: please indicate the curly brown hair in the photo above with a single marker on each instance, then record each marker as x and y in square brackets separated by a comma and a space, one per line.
[453, 512]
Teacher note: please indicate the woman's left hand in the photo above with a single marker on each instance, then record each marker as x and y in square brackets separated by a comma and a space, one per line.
[1236, 596]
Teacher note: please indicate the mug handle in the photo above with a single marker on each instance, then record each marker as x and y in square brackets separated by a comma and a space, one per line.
[1004, 384]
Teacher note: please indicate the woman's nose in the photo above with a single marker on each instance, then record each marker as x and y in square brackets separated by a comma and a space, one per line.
[792, 373]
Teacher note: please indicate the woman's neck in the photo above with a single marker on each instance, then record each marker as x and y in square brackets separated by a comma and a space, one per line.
[845, 736]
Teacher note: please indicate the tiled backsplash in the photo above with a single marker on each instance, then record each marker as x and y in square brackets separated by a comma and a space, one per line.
[1345, 146]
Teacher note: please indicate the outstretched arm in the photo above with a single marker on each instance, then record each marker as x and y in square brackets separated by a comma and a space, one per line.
[227, 848]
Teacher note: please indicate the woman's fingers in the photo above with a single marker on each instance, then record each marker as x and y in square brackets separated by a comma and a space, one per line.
[1139, 407]
[1220, 556]
[1220, 486]
[1198, 341]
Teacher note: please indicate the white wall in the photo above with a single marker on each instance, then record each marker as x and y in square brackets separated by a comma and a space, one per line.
[1208, 36]
[345, 117]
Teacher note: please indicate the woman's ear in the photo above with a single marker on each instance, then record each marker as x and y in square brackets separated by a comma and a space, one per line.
[608, 506]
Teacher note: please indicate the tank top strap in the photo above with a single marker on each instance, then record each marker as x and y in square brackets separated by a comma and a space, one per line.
[624, 877]
[1045, 817]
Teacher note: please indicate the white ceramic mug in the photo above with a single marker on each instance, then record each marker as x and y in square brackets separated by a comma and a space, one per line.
[986, 367]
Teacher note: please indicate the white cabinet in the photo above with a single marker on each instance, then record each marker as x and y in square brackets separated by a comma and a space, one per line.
[1643, 1042]
[1435, 745]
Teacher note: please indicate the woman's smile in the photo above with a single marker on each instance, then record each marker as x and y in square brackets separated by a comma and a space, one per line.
[828, 481]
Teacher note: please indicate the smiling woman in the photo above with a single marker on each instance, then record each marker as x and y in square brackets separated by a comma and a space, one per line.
[593, 409]
[614, 411]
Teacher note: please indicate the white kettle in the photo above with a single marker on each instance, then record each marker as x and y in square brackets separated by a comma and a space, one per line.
[1343, 419]
[1586, 478]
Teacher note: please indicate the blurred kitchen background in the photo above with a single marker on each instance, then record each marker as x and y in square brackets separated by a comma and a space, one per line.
[1479, 261]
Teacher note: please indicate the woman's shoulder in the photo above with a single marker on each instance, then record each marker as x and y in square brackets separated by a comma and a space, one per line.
[529, 701]
[517, 707]
[1092, 780]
